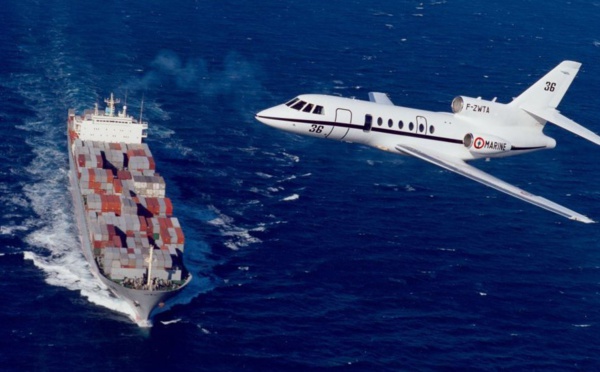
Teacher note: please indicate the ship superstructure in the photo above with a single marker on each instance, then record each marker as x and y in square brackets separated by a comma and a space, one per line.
[129, 235]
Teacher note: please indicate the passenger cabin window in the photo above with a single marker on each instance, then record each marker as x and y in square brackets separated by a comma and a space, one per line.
[400, 124]
[390, 123]
[379, 121]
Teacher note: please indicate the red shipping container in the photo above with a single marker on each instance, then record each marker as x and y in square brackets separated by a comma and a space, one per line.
[169, 207]
[112, 232]
[165, 236]
[124, 175]
[180, 236]
[143, 224]
[116, 241]
[99, 163]
[118, 186]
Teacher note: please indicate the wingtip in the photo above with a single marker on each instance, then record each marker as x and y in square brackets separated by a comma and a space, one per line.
[583, 219]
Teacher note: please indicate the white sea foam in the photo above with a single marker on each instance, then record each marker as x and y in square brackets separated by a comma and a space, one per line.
[291, 197]
[288, 178]
[10, 229]
[14, 200]
[263, 175]
[291, 157]
[174, 321]
[179, 148]
[236, 237]
[158, 131]
[204, 330]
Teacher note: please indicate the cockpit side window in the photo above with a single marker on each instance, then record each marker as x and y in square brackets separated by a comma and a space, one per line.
[308, 108]
[291, 102]
[298, 105]
[318, 110]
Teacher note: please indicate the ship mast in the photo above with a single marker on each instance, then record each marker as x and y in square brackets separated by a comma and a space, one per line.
[111, 104]
[125, 105]
[142, 109]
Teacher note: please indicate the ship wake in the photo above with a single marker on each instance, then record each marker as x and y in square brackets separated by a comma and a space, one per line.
[61, 259]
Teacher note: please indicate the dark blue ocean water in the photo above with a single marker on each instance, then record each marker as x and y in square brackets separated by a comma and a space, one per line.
[307, 254]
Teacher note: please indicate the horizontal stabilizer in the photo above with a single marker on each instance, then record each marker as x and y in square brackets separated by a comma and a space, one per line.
[564, 122]
[460, 167]
[380, 98]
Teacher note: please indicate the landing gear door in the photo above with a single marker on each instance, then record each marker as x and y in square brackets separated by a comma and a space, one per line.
[338, 132]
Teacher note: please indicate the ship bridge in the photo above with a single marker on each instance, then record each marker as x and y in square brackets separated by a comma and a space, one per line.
[109, 126]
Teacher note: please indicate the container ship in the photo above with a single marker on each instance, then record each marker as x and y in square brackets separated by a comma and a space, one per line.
[129, 235]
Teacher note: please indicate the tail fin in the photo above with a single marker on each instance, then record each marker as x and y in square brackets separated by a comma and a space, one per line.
[549, 90]
[542, 98]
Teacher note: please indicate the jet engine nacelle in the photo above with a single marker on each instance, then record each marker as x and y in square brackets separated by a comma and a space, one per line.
[478, 107]
[485, 144]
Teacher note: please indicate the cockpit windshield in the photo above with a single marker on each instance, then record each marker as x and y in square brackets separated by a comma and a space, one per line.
[300, 105]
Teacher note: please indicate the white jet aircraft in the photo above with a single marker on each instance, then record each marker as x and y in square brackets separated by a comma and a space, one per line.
[475, 129]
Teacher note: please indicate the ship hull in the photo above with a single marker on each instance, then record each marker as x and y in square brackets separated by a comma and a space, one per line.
[142, 302]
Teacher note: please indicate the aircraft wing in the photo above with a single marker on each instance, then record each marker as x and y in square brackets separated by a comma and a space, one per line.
[464, 169]
[380, 98]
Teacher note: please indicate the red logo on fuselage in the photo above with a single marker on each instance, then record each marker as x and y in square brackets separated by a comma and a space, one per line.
[479, 143]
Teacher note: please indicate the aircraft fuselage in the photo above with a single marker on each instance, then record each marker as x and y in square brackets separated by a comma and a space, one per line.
[477, 131]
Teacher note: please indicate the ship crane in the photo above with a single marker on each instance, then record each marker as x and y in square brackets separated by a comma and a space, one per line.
[150, 259]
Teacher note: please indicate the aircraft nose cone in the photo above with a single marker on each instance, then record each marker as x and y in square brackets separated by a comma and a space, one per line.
[268, 116]
[260, 114]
